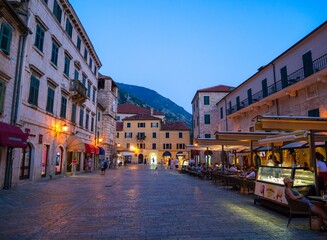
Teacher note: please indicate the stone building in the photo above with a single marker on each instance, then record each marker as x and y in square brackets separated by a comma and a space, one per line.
[107, 113]
[13, 34]
[57, 105]
[292, 84]
[205, 118]
[146, 138]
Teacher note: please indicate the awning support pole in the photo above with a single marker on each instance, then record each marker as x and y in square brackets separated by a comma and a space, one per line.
[313, 157]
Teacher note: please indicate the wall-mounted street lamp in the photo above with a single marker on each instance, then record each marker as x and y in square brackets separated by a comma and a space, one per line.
[64, 128]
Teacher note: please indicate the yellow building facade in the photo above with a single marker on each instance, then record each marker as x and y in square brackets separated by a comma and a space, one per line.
[147, 139]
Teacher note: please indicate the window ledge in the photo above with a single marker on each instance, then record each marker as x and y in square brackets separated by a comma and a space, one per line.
[54, 65]
[38, 51]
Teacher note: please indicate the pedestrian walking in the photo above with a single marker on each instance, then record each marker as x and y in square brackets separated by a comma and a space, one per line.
[74, 163]
[156, 172]
[104, 165]
[89, 164]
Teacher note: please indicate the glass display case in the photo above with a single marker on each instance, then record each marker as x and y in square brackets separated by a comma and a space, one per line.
[276, 175]
[270, 185]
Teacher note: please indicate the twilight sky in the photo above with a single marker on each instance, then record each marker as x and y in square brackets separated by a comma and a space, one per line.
[176, 47]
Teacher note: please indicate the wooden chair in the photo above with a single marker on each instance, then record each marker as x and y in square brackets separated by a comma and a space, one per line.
[297, 207]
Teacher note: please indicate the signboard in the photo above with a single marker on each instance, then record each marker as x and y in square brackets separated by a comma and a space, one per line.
[275, 193]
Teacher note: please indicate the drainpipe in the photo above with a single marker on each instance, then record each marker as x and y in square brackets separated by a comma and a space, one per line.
[15, 105]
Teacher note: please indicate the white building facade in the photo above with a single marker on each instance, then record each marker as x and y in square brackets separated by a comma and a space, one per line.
[293, 84]
[13, 33]
[58, 93]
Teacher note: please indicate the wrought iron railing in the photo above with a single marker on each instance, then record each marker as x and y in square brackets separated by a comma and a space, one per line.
[318, 64]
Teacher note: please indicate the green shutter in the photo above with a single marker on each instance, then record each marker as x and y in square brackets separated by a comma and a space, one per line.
[2, 96]
[5, 37]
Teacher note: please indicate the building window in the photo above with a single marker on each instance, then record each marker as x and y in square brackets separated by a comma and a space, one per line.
[69, 28]
[92, 124]
[95, 70]
[2, 95]
[63, 107]
[264, 85]
[87, 117]
[128, 125]
[94, 94]
[39, 37]
[238, 103]
[99, 116]
[81, 117]
[249, 95]
[67, 65]
[206, 100]
[141, 145]
[78, 44]
[128, 145]
[85, 54]
[74, 113]
[167, 134]
[54, 53]
[180, 135]
[34, 91]
[128, 135]
[89, 90]
[84, 80]
[5, 38]
[180, 146]
[314, 113]
[154, 135]
[50, 100]
[57, 11]
[140, 136]
[154, 146]
[117, 135]
[221, 113]
[207, 135]
[91, 63]
[76, 74]
[154, 125]
[141, 125]
[206, 118]
[167, 146]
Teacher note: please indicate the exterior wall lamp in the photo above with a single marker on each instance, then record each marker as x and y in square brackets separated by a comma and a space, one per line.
[64, 128]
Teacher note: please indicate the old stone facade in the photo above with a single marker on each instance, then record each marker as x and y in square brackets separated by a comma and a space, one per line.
[108, 100]
[205, 118]
[13, 33]
[57, 106]
[293, 84]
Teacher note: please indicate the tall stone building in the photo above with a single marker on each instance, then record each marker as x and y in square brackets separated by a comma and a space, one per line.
[13, 34]
[107, 102]
[54, 70]
[205, 119]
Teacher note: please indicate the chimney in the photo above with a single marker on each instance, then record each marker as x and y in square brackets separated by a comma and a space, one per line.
[151, 111]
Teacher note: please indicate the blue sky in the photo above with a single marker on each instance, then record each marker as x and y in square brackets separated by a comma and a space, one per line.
[177, 47]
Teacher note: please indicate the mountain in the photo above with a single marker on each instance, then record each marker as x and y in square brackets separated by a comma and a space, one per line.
[147, 98]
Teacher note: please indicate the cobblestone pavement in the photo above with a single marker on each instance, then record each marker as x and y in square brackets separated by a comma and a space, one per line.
[132, 202]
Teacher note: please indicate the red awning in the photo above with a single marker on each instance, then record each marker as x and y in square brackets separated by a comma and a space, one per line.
[97, 150]
[12, 136]
[89, 148]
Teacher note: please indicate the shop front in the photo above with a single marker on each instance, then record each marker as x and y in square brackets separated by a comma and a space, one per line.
[11, 137]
